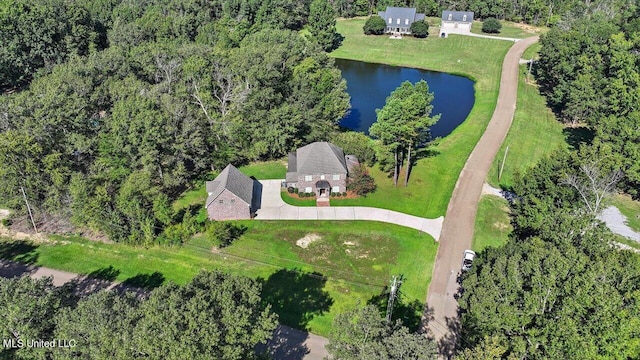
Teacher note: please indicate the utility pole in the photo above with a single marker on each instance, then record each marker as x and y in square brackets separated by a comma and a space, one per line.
[530, 66]
[393, 294]
[29, 208]
[503, 160]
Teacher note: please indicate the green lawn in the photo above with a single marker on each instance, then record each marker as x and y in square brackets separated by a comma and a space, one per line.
[532, 51]
[493, 225]
[351, 263]
[510, 29]
[266, 170]
[434, 177]
[534, 134]
[629, 208]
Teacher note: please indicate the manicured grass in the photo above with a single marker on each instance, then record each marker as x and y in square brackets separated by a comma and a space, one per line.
[351, 263]
[266, 170]
[510, 30]
[532, 51]
[629, 208]
[534, 134]
[492, 223]
[434, 177]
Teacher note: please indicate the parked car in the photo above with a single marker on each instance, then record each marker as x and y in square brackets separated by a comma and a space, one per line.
[467, 259]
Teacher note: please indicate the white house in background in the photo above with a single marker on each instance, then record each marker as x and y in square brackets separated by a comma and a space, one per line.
[456, 22]
[399, 19]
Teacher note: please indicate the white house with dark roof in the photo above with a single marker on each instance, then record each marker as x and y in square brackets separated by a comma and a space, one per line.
[320, 168]
[231, 196]
[456, 22]
[399, 19]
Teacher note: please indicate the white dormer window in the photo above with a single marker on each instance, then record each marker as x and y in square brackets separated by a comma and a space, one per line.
[406, 21]
[464, 18]
[398, 21]
[390, 21]
[450, 16]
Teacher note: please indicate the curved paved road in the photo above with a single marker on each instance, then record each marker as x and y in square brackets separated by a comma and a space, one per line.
[272, 207]
[440, 318]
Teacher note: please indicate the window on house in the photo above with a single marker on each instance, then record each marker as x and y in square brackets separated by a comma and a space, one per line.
[335, 189]
[336, 177]
[406, 21]
[398, 21]
[321, 177]
[221, 201]
[464, 18]
[308, 178]
[308, 189]
[390, 20]
[450, 17]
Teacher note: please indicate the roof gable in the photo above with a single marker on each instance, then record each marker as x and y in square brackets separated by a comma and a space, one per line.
[233, 180]
[458, 16]
[319, 158]
[402, 13]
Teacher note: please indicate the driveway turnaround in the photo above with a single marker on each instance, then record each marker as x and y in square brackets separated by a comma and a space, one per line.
[441, 317]
[287, 343]
[272, 207]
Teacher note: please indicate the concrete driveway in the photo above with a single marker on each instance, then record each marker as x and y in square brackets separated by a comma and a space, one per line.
[272, 207]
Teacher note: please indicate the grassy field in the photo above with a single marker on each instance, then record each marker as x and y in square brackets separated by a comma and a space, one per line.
[307, 287]
[534, 133]
[434, 177]
[510, 29]
[629, 208]
[492, 223]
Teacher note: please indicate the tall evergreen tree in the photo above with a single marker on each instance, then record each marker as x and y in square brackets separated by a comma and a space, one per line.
[322, 23]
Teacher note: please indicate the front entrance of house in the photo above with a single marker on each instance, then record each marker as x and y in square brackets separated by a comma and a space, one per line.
[323, 188]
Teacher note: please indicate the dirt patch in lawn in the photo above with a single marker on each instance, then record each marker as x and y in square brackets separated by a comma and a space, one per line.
[308, 240]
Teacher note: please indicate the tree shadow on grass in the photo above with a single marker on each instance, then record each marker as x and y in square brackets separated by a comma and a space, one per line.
[409, 312]
[20, 251]
[145, 281]
[97, 280]
[296, 296]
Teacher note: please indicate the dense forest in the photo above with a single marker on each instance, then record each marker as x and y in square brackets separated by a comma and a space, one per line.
[112, 108]
[536, 12]
[561, 287]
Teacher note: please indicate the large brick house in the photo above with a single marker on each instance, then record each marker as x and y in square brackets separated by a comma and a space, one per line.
[320, 168]
[399, 19]
[456, 22]
[232, 195]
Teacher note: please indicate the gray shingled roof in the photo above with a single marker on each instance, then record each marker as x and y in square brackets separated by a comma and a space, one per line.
[316, 159]
[233, 180]
[457, 16]
[400, 12]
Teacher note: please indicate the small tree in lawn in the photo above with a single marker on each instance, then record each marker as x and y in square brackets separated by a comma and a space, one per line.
[374, 26]
[360, 181]
[420, 29]
[491, 26]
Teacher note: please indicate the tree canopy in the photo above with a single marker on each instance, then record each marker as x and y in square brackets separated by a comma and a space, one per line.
[363, 334]
[105, 139]
[215, 315]
[403, 123]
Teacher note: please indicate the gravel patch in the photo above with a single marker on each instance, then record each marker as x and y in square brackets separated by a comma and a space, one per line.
[616, 222]
[307, 240]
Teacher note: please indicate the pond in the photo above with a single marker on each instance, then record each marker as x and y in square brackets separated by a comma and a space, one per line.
[370, 84]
